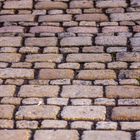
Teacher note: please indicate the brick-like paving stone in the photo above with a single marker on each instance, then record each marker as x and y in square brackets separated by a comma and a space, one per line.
[69, 69]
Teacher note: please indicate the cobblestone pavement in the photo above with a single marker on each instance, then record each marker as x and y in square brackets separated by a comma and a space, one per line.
[69, 69]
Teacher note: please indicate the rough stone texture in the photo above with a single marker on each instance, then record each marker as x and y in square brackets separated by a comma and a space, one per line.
[38, 91]
[100, 135]
[126, 113]
[75, 91]
[58, 134]
[12, 134]
[37, 112]
[83, 113]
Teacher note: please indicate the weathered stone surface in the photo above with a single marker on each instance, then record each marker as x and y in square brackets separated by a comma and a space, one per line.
[91, 17]
[49, 5]
[76, 41]
[135, 41]
[126, 113]
[44, 41]
[100, 135]
[37, 112]
[81, 4]
[123, 91]
[52, 74]
[6, 111]
[13, 134]
[103, 57]
[7, 90]
[83, 113]
[11, 29]
[10, 41]
[111, 40]
[96, 74]
[46, 29]
[56, 134]
[92, 30]
[111, 3]
[23, 4]
[135, 3]
[16, 18]
[16, 73]
[130, 125]
[125, 16]
[81, 125]
[77, 91]
[128, 56]
[38, 91]
[6, 123]
[55, 18]
[10, 57]
[44, 58]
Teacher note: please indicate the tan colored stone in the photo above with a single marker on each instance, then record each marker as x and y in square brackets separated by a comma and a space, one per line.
[83, 113]
[38, 91]
[96, 74]
[44, 58]
[6, 124]
[7, 90]
[37, 112]
[81, 125]
[91, 17]
[6, 111]
[16, 73]
[50, 5]
[44, 41]
[105, 135]
[12, 29]
[14, 134]
[103, 57]
[10, 41]
[52, 74]
[77, 91]
[123, 92]
[126, 113]
[56, 135]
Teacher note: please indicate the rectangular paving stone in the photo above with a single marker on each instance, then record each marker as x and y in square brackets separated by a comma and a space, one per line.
[129, 74]
[50, 5]
[106, 135]
[122, 91]
[81, 4]
[128, 56]
[55, 18]
[81, 91]
[16, 73]
[38, 91]
[23, 4]
[40, 42]
[6, 123]
[111, 3]
[16, 18]
[52, 74]
[10, 57]
[76, 41]
[13, 134]
[111, 40]
[7, 90]
[125, 16]
[135, 41]
[6, 111]
[92, 30]
[130, 125]
[83, 113]
[46, 29]
[56, 135]
[91, 17]
[37, 112]
[44, 58]
[12, 29]
[126, 113]
[10, 41]
[96, 74]
[80, 57]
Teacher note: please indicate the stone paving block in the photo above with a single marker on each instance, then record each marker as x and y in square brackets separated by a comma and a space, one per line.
[104, 135]
[83, 113]
[12, 134]
[56, 134]
[37, 112]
